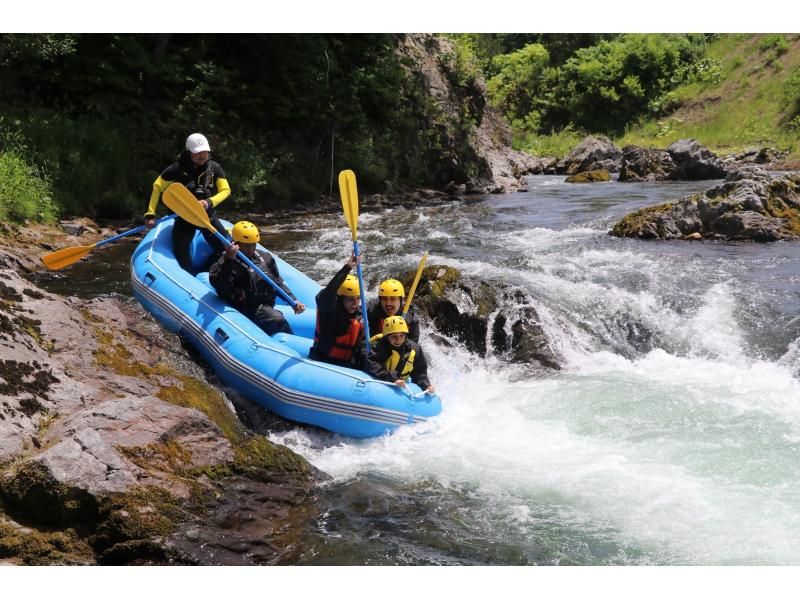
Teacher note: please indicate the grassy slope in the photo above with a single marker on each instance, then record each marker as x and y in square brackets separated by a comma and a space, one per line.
[746, 108]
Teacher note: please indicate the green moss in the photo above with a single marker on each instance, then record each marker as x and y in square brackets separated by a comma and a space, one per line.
[136, 522]
[636, 223]
[590, 176]
[442, 280]
[168, 456]
[198, 395]
[190, 392]
[778, 209]
[256, 457]
[260, 454]
[32, 547]
[32, 491]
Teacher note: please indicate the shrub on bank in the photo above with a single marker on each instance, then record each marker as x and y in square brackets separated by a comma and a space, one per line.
[25, 193]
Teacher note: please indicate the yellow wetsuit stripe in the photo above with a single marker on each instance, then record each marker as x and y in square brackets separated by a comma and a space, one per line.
[223, 192]
[158, 188]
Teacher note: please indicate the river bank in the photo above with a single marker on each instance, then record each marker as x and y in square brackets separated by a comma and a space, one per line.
[115, 446]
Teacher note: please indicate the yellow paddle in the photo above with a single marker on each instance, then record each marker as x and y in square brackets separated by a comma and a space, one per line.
[349, 193]
[407, 305]
[181, 201]
[61, 258]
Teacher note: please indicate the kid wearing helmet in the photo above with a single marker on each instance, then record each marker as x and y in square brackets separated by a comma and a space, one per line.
[244, 288]
[206, 180]
[396, 358]
[340, 331]
[391, 297]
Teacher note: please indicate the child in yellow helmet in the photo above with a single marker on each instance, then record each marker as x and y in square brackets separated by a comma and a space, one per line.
[340, 331]
[243, 288]
[396, 358]
[391, 298]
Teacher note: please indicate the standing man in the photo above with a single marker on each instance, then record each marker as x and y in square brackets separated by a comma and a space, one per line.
[206, 180]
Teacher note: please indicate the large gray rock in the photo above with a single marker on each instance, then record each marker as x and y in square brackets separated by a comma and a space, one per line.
[474, 141]
[107, 426]
[750, 205]
[593, 153]
[694, 162]
[640, 164]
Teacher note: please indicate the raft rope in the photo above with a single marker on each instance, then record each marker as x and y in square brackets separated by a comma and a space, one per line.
[255, 342]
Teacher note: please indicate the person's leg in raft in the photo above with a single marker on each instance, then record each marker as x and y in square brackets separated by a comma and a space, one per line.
[271, 321]
[182, 235]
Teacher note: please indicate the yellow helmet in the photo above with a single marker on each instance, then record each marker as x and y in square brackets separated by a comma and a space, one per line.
[394, 324]
[245, 232]
[391, 288]
[349, 288]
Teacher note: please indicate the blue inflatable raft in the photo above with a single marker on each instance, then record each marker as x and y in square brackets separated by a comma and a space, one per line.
[273, 372]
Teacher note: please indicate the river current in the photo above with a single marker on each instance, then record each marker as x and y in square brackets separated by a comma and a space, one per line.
[670, 437]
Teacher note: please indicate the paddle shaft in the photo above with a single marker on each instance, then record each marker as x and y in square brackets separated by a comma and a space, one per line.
[247, 261]
[363, 293]
[413, 290]
[133, 231]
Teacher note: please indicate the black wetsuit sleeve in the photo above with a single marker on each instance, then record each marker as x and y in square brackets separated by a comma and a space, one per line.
[419, 375]
[413, 325]
[219, 172]
[326, 298]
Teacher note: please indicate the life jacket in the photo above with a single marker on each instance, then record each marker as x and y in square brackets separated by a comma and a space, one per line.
[407, 365]
[342, 347]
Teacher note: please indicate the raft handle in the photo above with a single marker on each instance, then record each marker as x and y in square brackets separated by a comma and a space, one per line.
[222, 334]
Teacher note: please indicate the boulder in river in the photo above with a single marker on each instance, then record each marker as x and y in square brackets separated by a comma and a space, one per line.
[750, 205]
[592, 153]
[484, 317]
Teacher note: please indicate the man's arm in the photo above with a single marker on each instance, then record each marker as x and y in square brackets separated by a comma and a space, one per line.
[419, 375]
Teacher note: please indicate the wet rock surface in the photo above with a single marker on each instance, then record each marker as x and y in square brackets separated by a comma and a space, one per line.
[113, 446]
[751, 204]
[483, 317]
[593, 153]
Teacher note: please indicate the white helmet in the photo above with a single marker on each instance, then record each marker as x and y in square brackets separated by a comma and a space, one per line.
[197, 143]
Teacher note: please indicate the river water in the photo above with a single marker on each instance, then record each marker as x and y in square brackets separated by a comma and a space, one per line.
[671, 436]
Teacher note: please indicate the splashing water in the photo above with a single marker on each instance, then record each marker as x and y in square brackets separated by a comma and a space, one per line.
[671, 436]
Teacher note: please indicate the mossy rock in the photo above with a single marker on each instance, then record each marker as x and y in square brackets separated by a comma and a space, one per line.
[32, 491]
[140, 519]
[34, 547]
[590, 176]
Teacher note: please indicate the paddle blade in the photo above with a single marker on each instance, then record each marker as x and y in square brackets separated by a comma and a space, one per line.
[349, 193]
[64, 257]
[181, 201]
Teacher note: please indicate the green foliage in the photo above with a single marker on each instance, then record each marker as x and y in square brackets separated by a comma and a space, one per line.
[791, 97]
[613, 83]
[105, 113]
[463, 64]
[25, 192]
[556, 143]
[774, 42]
[746, 105]
[521, 81]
